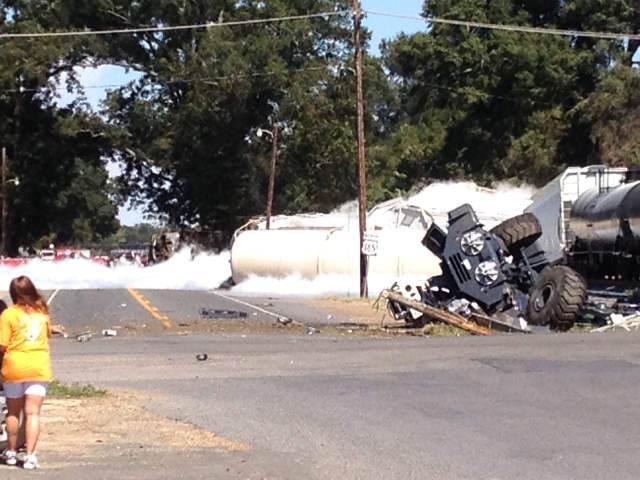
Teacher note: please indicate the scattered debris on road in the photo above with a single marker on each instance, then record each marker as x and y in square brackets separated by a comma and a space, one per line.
[215, 313]
[201, 357]
[84, 336]
[437, 314]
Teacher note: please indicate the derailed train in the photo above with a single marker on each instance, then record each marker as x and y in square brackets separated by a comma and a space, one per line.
[582, 229]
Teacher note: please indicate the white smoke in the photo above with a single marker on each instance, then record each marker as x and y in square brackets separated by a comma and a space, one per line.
[321, 286]
[180, 272]
[209, 271]
[491, 205]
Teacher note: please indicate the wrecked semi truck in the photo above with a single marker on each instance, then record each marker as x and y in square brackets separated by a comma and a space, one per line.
[162, 246]
[581, 230]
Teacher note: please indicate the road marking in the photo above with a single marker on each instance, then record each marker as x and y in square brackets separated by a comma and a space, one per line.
[147, 305]
[53, 295]
[231, 299]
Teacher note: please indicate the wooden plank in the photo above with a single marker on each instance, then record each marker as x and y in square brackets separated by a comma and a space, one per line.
[438, 314]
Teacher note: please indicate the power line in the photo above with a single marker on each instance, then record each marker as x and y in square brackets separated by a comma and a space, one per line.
[513, 28]
[205, 80]
[464, 23]
[175, 27]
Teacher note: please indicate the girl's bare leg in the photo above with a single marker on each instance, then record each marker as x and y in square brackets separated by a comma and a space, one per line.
[32, 407]
[14, 407]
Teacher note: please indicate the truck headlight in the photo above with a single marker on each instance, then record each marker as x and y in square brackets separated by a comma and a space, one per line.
[472, 243]
[487, 273]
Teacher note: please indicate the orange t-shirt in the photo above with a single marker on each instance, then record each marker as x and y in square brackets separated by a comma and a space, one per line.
[25, 336]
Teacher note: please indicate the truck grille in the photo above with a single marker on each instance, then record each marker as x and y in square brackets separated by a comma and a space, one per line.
[461, 273]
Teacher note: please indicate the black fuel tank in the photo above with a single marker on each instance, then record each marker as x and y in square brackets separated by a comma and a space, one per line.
[608, 221]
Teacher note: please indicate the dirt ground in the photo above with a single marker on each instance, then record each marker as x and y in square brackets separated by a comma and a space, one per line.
[74, 427]
[364, 311]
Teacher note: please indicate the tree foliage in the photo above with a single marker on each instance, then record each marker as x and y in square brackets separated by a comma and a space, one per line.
[613, 110]
[56, 154]
[493, 105]
[188, 125]
[449, 102]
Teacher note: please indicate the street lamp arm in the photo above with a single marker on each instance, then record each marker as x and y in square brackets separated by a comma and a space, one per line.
[260, 132]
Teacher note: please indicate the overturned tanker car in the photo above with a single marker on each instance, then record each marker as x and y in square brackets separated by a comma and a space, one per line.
[164, 245]
[572, 250]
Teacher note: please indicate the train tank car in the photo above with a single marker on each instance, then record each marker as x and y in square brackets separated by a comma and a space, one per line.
[607, 221]
[591, 221]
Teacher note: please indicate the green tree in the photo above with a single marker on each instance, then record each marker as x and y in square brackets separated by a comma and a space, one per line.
[185, 131]
[58, 155]
[189, 124]
[490, 105]
[613, 109]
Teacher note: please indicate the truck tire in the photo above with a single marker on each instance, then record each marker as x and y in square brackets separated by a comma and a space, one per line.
[556, 298]
[519, 231]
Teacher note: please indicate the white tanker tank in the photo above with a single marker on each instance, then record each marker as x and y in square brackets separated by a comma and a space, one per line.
[315, 245]
[309, 249]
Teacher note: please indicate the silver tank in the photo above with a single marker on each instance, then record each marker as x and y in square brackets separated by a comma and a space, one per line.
[608, 220]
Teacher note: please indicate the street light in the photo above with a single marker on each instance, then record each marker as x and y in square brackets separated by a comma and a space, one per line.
[273, 133]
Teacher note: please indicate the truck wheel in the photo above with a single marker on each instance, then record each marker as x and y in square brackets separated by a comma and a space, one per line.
[519, 231]
[556, 298]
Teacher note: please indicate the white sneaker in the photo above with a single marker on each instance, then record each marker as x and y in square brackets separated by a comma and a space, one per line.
[30, 462]
[9, 457]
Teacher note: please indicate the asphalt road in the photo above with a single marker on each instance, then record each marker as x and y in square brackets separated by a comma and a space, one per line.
[93, 310]
[317, 406]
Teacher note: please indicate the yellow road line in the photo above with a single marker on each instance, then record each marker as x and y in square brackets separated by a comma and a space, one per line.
[153, 310]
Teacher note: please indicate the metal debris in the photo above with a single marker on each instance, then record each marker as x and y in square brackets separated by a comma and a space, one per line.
[438, 314]
[84, 337]
[214, 313]
[620, 321]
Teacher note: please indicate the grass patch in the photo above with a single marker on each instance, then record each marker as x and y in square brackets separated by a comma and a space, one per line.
[443, 330]
[354, 299]
[582, 327]
[60, 390]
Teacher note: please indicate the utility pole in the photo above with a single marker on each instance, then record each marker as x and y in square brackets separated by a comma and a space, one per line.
[272, 172]
[361, 158]
[4, 201]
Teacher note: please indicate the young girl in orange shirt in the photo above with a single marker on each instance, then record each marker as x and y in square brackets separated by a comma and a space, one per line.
[25, 329]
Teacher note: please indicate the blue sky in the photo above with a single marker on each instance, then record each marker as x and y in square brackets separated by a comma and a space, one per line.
[381, 27]
[388, 27]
